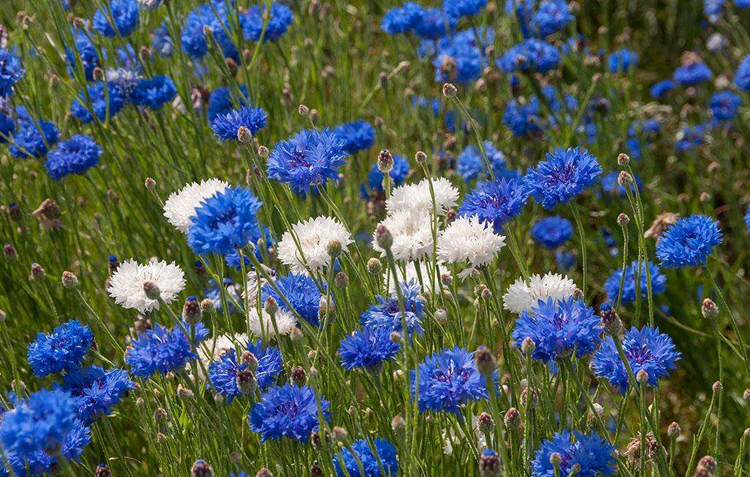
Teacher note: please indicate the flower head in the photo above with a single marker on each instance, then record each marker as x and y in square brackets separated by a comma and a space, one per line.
[288, 411]
[724, 105]
[471, 165]
[523, 118]
[469, 240]
[39, 423]
[552, 232]
[224, 100]
[74, 156]
[646, 349]
[368, 348]
[742, 75]
[301, 292]
[551, 16]
[384, 457]
[463, 8]
[495, 202]
[692, 73]
[591, 454]
[61, 350]
[33, 137]
[564, 175]
[688, 242]
[532, 55]
[558, 328]
[227, 125]
[225, 221]
[155, 92]
[11, 72]
[433, 23]
[213, 17]
[524, 295]
[612, 285]
[96, 390]
[85, 52]
[161, 350]
[447, 380]
[387, 312]
[276, 22]
[98, 102]
[622, 61]
[225, 371]
[401, 19]
[419, 197]
[261, 324]
[125, 16]
[308, 159]
[661, 88]
[179, 209]
[305, 247]
[411, 232]
[126, 284]
[356, 136]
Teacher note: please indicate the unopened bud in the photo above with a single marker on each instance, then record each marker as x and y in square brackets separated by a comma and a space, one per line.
[624, 179]
[385, 161]
[263, 151]
[623, 159]
[244, 135]
[37, 273]
[623, 220]
[150, 183]
[485, 423]
[201, 468]
[191, 310]
[709, 310]
[299, 376]
[449, 90]
[334, 249]
[489, 464]
[151, 290]
[383, 237]
[528, 346]
[374, 266]
[69, 280]
[341, 280]
[484, 360]
[271, 305]
[642, 377]
[513, 419]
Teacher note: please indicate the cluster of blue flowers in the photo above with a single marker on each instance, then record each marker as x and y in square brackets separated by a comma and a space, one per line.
[163, 350]
[229, 375]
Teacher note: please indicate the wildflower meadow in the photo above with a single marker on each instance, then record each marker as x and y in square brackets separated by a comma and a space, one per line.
[364, 238]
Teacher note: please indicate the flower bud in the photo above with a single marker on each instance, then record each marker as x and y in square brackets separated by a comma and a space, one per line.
[673, 431]
[334, 249]
[246, 381]
[191, 310]
[610, 321]
[528, 346]
[37, 273]
[264, 473]
[642, 377]
[374, 266]
[398, 424]
[263, 152]
[489, 464]
[249, 360]
[441, 316]
[512, 419]
[709, 310]
[102, 471]
[385, 161]
[420, 157]
[383, 237]
[201, 468]
[184, 393]
[449, 90]
[271, 305]
[623, 220]
[151, 290]
[299, 377]
[207, 305]
[340, 434]
[623, 159]
[69, 280]
[484, 360]
[244, 135]
[304, 111]
[624, 179]
[485, 423]
[150, 183]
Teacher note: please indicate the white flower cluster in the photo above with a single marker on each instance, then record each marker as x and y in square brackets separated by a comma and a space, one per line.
[524, 295]
[467, 240]
[305, 247]
[126, 284]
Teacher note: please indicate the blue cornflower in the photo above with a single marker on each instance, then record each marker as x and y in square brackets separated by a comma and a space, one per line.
[551, 16]
[661, 88]
[155, 92]
[193, 36]
[612, 285]
[39, 423]
[742, 75]
[523, 10]
[558, 328]
[224, 222]
[60, 350]
[278, 22]
[401, 19]
[163, 350]
[724, 105]
[713, 9]
[356, 136]
[161, 41]
[288, 411]
[387, 312]
[227, 125]
[224, 100]
[564, 260]
[98, 102]
[33, 137]
[747, 219]
[74, 156]
[302, 293]
[742, 4]
[622, 61]
[470, 164]
[398, 174]
[552, 231]
[523, 118]
[495, 202]
[530, 55]
[563, 176]
[310, 158]
[225, 371]
[7, 127]
[433, 23]
[646, 349]
[447, 380]
[692, 74]
[11, 72]
[591, 454]
[96, 390]
[368, 348]
[690, 137]
[87, 53]
[688, 242]
[463, 8]
[384, 458]
[458, 59]
[123, 12]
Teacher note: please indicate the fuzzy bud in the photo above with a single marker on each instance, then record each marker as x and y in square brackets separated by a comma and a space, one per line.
[489, 464]
[485, 423]
[201, 468]
[449, 90]
[642, 377]
[191, 310]
[263, 152]
[184, 393]
[340, 434]
[246, 381]
[341, 280]
[299, 377]
[383, 237]
[271, 305]
[151, 290]
[623, 220]
[398, 424]
[709, 310]
[623, 159]
[610, 321]
[244, 135]
[420, 157]
[334, 249]
[207, 305]
[69, 280]
[264, 473]
[528, 346]
[150, 183]
[304, 111]
[513, 419]
[37, 273]
[441, 316]
[674, 430]
[374, 266]
[385, 161]
[624, 179]
[484, 360]
[102, 471]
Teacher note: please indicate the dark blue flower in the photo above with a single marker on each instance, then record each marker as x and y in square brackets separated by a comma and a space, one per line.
[564, 260]
[463, 8]
[551, 16]
[33, 137]
[552, 232]
[523, 11]
[96, 390]
[612, 285]
[356, 136]
[742, 75]
[447, 380]
[11, 72]
[401, 19]
[368, 348]
[155, 92]
[688, 242]
[288, 411]
[310, 158]
[387, 312]
[692, 74]
[689, 137]
[361, 453]
[646, 349]
[7, 127]
[227, 125]
[74, 156]
[713, 9]
[123, 12]
[39, 423]
[458, 58]
[495, 202]
[622, 61]
[530, 55]
[523, 118]
[661, 88]
[278, 20]
[98, 102]
[161, 41]
[60, 350]
[590, 454]
[162, 350]
[564, 175]
[301, 292]
[747, 218]
[433, 23]
[193, 36]
[471, 165]
[225, 371]
[559, 328]
[224, 222]
[724, 105]
[224, 100]
[85, 52]
[398, 174]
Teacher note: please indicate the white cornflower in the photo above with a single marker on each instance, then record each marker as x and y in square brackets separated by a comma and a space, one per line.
[180, 206]
[524, 295]
[418, 196]
[126, 284]
[412, 234]
[255, 283]
[411, 275]
[467, 240]
[313, 237]
[285, 322]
